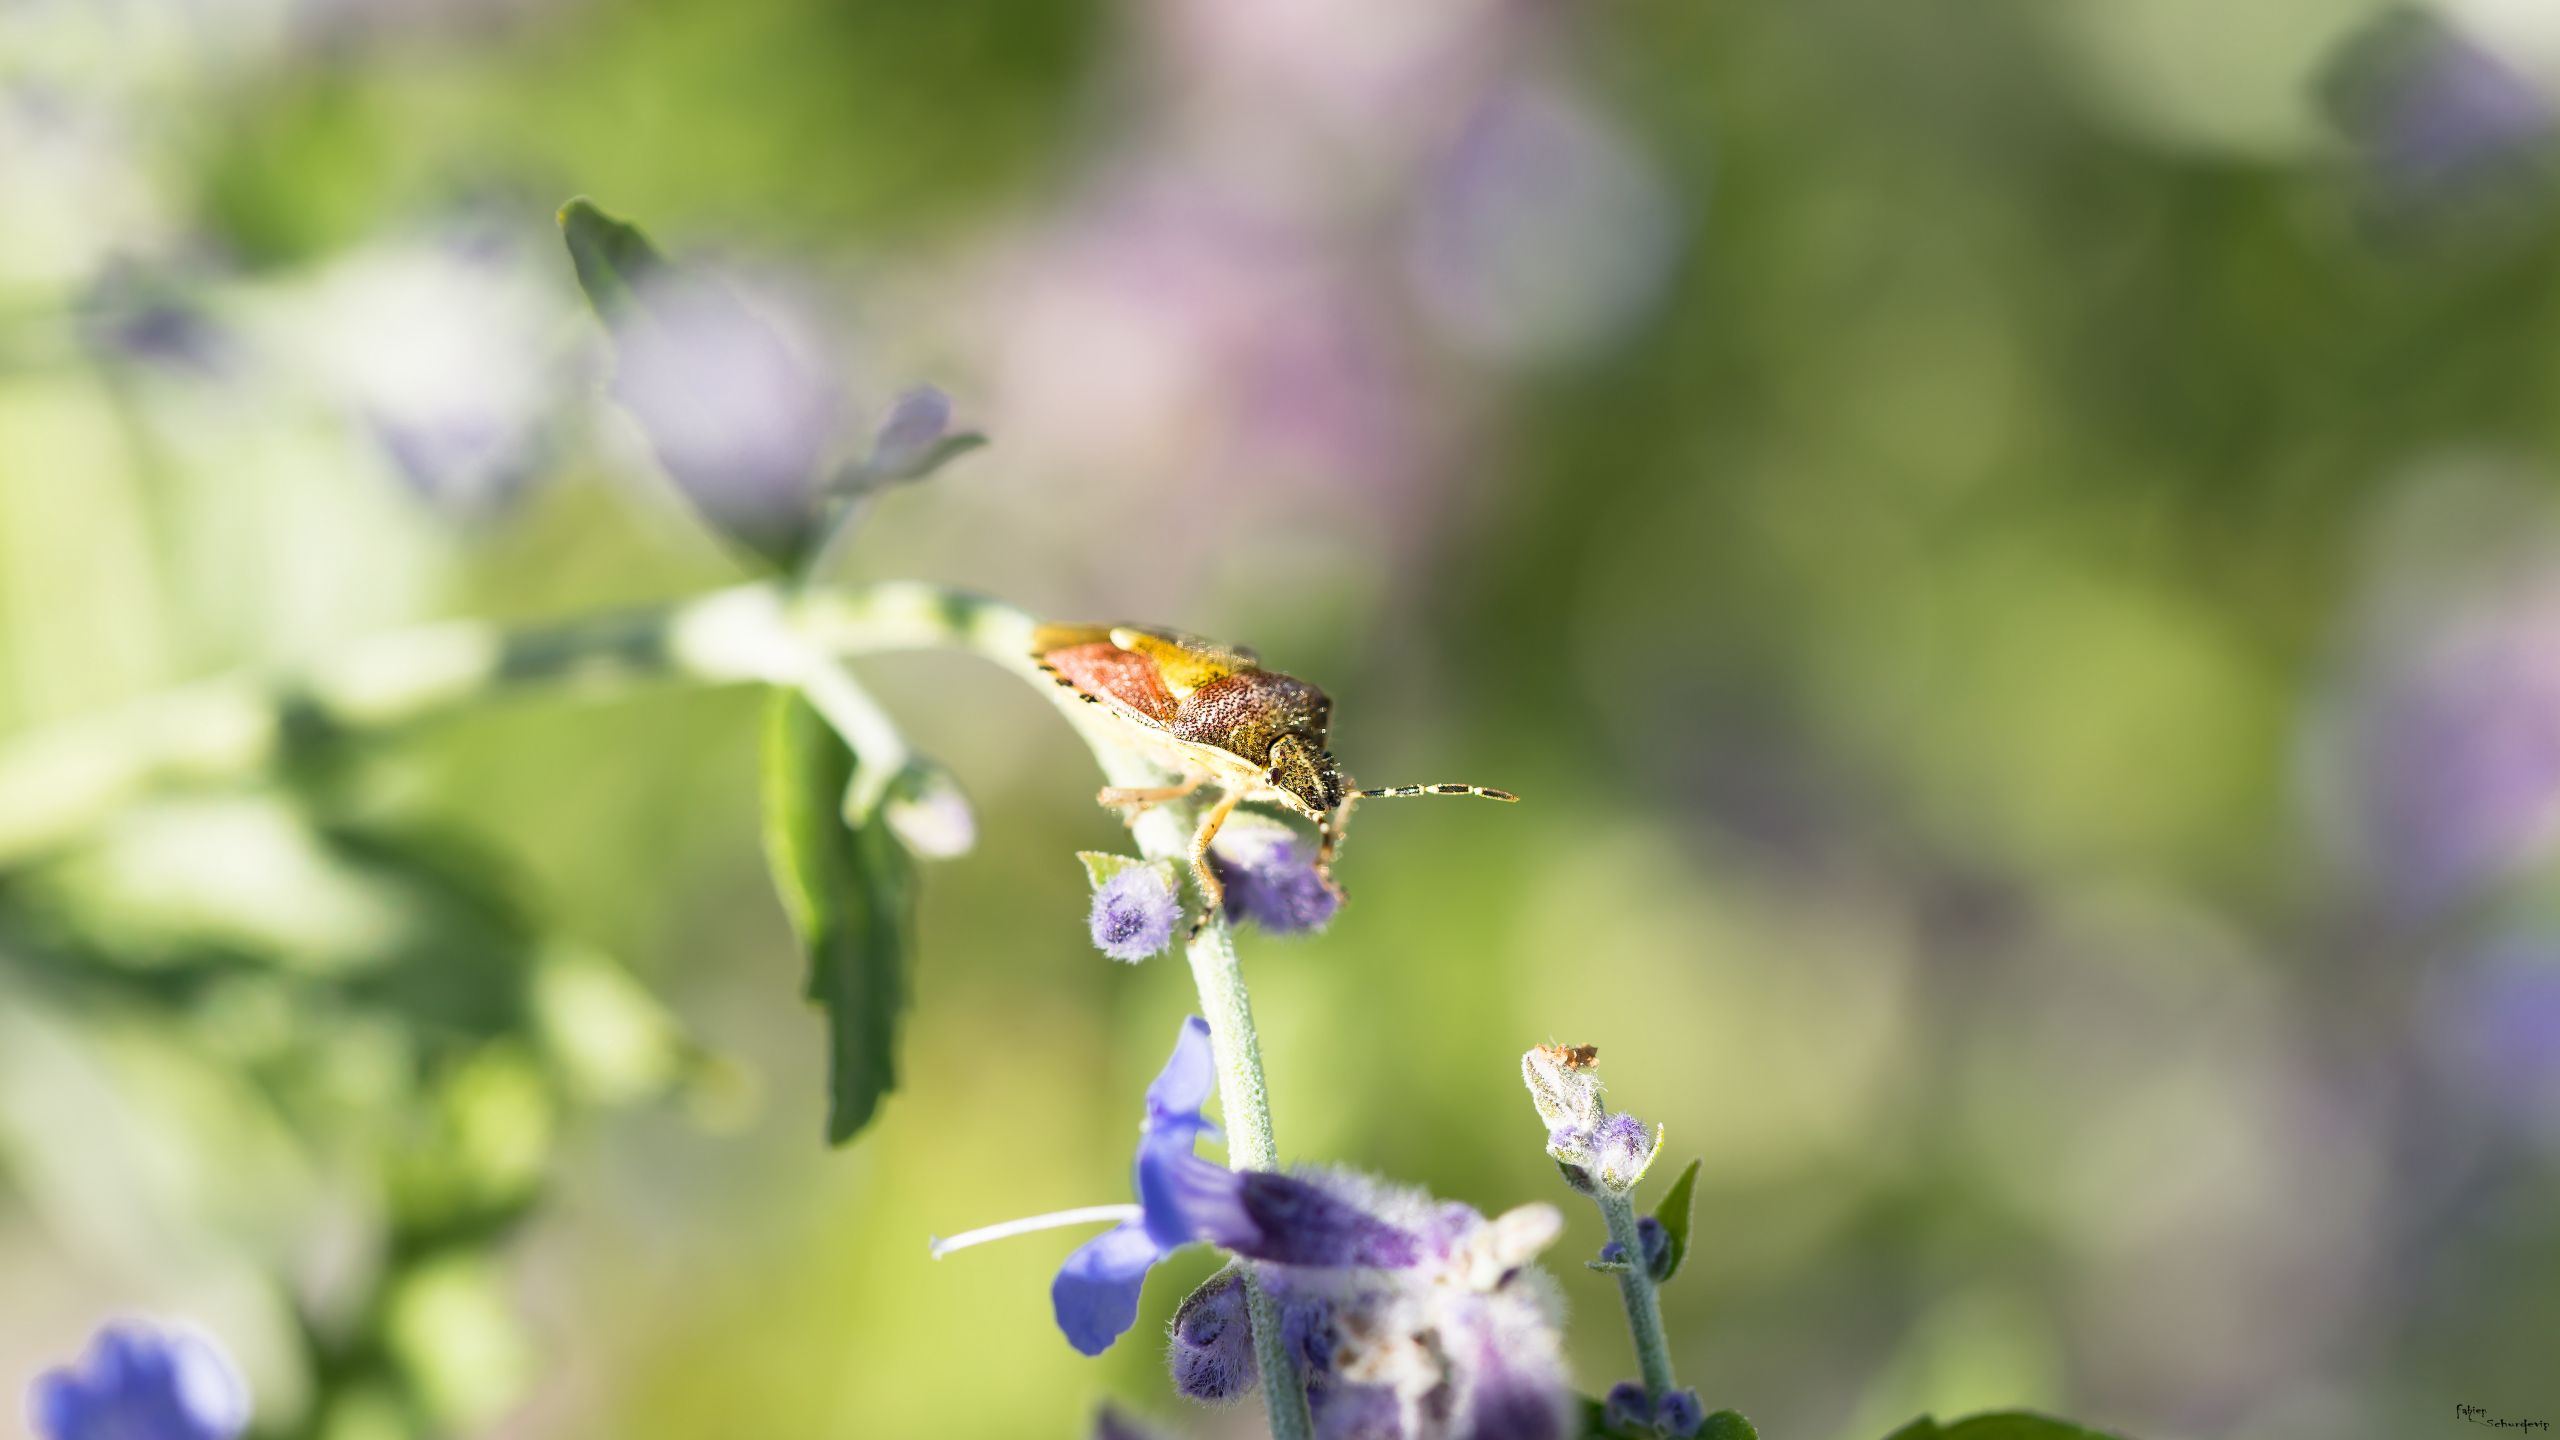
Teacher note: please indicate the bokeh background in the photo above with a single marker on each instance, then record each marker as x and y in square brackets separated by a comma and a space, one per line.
[2012, 549]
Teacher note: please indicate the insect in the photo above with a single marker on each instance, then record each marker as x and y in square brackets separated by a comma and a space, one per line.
[1212, 715]
[1573, 1057]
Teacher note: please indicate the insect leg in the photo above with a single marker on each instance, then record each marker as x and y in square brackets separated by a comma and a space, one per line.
[1213, 896]
[1139, 799]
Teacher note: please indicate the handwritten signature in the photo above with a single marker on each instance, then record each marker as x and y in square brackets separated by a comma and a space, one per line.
[2479, 1415]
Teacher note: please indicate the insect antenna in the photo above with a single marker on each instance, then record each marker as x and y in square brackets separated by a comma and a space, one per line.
[1398, 792]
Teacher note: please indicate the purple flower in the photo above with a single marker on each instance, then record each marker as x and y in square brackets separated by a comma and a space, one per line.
[1183, 1198]
[1270, 877]
[138, 1382]
[1681, 1415]
[1461, 1344]
[1134, 913]
[2438, 111]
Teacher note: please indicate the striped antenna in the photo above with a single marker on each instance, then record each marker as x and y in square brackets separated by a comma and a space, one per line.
[1398, 792]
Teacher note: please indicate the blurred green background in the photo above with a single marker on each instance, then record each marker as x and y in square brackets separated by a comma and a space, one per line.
[2009, 548]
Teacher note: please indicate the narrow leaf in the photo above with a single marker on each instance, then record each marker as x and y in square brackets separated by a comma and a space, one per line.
[1674, 1215]
[850, 893]
[2000, 1425]
[2020, 1425]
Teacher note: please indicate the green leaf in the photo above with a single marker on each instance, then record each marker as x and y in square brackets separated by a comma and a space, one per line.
[1727, 1425]
[612, 258]
[850, 892]
[1101, 866]
[2000, 1425]
[1674, 1215]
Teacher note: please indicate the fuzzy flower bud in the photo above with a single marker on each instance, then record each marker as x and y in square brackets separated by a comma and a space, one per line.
[1134, 913]
[1619, 1152]
[1680, 1414]
[927, 811]
[1629, 1407]
[1269, 873]
[1563, 1085]
[1212, 1350]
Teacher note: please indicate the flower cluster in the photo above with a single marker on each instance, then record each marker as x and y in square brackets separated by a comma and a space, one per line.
[1597, 1148]
[1460, 1341]
[1409, 1318]
[141, 1382]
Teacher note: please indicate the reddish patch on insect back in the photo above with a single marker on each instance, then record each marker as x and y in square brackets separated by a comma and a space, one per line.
[1105, 669]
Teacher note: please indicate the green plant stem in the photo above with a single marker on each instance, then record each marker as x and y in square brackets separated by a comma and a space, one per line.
[1635, 1287]
[60, 784]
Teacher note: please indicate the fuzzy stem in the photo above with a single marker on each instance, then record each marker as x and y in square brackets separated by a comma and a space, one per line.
[1635, 1287]
[57, 785]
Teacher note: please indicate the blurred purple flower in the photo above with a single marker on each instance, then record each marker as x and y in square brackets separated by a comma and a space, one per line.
[914, 440]
[740, 416]
[1460, 1344]
[1681, 1415]
[439, 349]
[141, 1382]
[1542, 233]
[2437, 110]
[2454, 739]
[1270, 877]
[1134, 913]
[2495, 1023]
[154, 317]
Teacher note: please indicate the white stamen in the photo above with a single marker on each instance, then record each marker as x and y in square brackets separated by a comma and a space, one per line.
[1055, 1220]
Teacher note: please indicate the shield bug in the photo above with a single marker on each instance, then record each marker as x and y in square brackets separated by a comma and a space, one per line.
[1214, 717]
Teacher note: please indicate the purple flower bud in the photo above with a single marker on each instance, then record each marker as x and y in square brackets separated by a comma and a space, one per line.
[916, 419]
[140, 1381]
[1613, 1253]
[1270, 877]
[1212, 1350]
[1681, 1415]
[1656, 1242]
[738, 416]
[1134, 913]
[1621, 1150]
[1629, 1407]
[926, 810]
